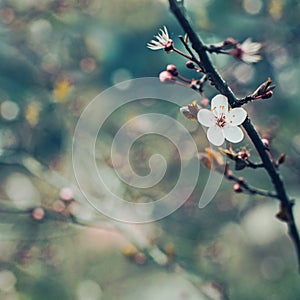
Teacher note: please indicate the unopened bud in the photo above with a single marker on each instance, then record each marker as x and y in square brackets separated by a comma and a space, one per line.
[172, 69]
[281, 158]
[264, 91]
[38, 213]
[229, 41]
[166, 77]
[237, 188]
[190, 65]
[66, 194]
[267, 95]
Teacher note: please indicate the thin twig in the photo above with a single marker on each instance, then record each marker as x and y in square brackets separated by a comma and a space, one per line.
[249, 188]
[181, 53]
[193, 57]
[245, 100]
[253, 165]
[223, 88]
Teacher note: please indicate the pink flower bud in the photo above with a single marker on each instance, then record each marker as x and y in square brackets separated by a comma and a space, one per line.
[281, 159]
[66, 194]
[267, 95]
[229, 41]
[166, 77]
[172, 69]
[237, 188]
[190, 65]
[38, 213]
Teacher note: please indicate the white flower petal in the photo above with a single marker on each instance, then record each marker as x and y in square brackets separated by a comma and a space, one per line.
[165, 33]
[236, 116]
[233, 134]
[206, 117]
[215, 135]
[153, 47]
[250, 59]
[153, 42]
[251, 47]
[160, 39]
[219, 105]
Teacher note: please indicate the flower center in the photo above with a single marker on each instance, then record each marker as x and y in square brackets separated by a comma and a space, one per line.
[221, 121]
[169, 45]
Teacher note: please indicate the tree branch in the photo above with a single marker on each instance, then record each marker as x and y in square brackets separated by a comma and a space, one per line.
[286, 212]
[245, 187]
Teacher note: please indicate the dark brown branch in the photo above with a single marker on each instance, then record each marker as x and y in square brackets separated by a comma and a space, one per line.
[253, 165]
[245, 187]
[223, 88]
[246, 100]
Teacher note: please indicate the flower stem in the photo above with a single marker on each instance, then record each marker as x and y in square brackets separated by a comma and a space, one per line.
[184, 79]
[181, 53]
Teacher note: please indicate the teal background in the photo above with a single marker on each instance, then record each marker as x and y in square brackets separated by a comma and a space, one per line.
[55, 57]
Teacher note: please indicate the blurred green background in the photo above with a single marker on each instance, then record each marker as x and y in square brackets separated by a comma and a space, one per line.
[55, 57]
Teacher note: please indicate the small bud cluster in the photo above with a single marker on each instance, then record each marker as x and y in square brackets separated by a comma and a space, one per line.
[240, 158]
[61, 206]
[171, 75]
[264, 91]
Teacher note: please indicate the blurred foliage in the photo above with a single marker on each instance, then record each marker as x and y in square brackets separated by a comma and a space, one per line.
[55, 57]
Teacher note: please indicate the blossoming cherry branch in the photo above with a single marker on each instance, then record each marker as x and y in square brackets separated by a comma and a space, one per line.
[223, 123]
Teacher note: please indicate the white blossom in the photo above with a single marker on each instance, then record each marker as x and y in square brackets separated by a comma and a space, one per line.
[247, 51]
[163, 41]
[222, 123]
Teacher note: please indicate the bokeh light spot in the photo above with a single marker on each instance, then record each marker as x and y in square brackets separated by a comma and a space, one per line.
[7, 281]
[89, 290]
[252, 6]
[9, 110]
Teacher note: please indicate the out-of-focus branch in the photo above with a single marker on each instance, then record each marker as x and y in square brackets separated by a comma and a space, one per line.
[286, 205]
[159, 256]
